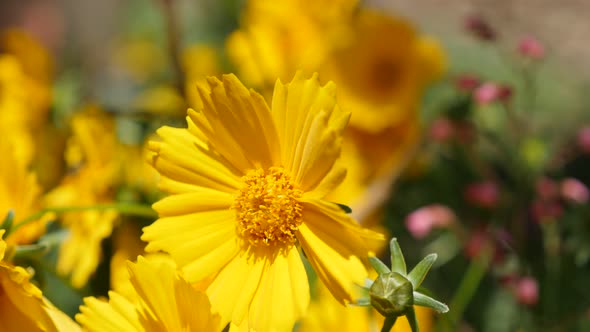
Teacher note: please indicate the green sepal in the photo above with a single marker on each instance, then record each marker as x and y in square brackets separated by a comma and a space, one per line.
[378, 265]
[426, 301]
[418, 273]
[398, 263]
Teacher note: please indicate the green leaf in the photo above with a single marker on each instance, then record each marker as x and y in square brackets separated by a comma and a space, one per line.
[426, 301]
[398, 263]
[30, 251]
[419, 272]
[378, 265]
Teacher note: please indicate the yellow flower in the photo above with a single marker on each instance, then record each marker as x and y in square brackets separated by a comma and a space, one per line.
[277, 39]
[92, 153]
[247, 185]
[325, 314]
[164, 302]
[382, 70]
[23, 307]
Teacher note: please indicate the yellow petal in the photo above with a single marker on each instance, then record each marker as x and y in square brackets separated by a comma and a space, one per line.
[118, 314]
[282, 297]
[242, 128]
[180, 156]
[200, 243]
[202, 200]
[338, 270]
[310, 126]
[230, 298]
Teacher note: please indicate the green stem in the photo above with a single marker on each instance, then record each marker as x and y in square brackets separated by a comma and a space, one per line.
[123, 208]
[467, 288]
[551, 244]
[388, 324]
[413, 320]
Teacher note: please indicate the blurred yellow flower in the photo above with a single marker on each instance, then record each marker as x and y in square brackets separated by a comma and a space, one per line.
[23, 104]
[36, 61]
[198, 62]
[325, 314]
[92, 154]
[164, 301]
[23, 307]
[20, 193]
[276, 39]
[248, 186]
[382, 70]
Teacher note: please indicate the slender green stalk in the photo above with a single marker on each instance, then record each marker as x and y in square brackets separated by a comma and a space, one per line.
[123, 208]
[467, 288]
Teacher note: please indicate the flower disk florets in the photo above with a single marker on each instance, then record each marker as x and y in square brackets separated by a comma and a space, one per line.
[267, 208]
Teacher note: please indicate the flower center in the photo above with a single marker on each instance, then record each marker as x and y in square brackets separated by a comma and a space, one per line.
[267, 207]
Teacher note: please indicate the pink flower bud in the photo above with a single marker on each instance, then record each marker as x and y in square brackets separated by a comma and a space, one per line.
[526, 291]
[504, 93]
[441, 130]
[530, 47]
[544, 211]
[421, 222]
[574, 190]
[487, 93]
[480, 28]
[466, 83]
[483, 194]
[584, 139]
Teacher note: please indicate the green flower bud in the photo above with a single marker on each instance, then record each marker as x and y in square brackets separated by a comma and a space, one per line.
[392, 294]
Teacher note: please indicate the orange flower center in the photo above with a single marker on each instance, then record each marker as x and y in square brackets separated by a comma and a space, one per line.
[268, 209]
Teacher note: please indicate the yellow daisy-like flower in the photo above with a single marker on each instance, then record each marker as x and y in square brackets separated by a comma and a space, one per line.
[381, 71]
[164, 301]
[248, 186]
[22, 305]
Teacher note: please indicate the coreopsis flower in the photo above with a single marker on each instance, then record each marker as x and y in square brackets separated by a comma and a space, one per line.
[164, 301]
[22, 305]
[92, 155]
[247, 187]
[326, 314]
[382, 70]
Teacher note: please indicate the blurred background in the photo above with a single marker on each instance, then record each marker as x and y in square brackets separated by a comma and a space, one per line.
[470, 133]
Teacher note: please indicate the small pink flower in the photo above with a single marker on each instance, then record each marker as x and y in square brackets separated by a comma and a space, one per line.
[530, 47]
[442, 130]
[584, 139]
[483, 194]
[421, 222]
[526, 291]
[574, 190]
[487, 93]
[466, 83]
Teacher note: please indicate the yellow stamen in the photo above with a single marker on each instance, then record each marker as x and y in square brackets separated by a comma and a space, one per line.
[268, 210]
